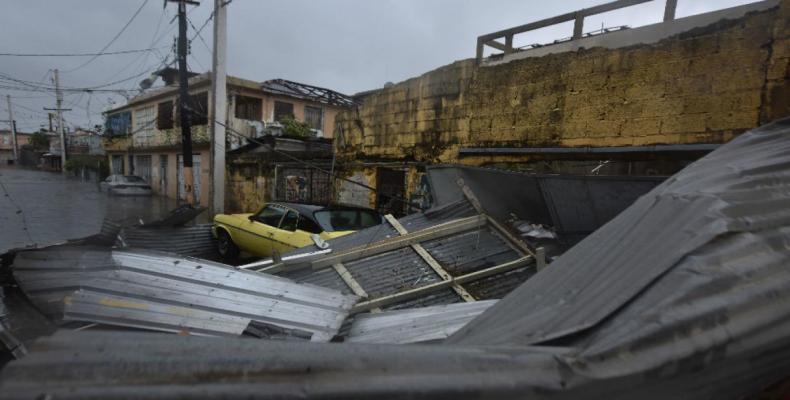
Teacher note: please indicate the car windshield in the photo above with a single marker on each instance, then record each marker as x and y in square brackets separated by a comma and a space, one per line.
[131, 179]
[346, 220]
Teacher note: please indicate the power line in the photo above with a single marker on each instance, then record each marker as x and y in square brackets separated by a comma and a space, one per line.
[113, 39]
[197, 31]
[111, 53]
[18, 211]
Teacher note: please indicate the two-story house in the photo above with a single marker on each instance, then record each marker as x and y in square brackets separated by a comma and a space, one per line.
[143, 137]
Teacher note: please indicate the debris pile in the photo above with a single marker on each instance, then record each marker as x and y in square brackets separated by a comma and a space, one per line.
[685, 294]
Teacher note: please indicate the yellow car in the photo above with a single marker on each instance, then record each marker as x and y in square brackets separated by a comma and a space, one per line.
[282, 227]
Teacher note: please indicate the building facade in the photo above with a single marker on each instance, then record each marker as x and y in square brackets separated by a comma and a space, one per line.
[143, 137]
[642, 101]
[7, 145]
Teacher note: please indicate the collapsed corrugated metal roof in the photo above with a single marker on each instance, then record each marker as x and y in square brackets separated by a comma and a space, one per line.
[420, 260]
[160, 291]
[415, 325]
[684, 295]
[306, 92]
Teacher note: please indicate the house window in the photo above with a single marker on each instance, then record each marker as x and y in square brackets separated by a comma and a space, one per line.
[144, 119]
[200, 108]
[248, 108]
[283, 110]
[165, 115]
[119, 124]
[314, 116]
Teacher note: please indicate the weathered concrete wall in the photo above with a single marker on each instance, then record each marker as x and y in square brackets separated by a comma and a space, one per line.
[703, 86]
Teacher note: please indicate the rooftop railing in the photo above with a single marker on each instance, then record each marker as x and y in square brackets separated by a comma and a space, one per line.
[492, 39]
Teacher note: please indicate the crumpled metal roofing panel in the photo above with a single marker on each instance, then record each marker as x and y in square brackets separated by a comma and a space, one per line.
[159, 290]
[415, 325]
[741, 187]
[193, 241]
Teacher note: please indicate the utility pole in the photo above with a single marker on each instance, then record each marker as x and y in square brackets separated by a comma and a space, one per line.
[13, 128]
[59, 102]
[219, 108]
[185, 104]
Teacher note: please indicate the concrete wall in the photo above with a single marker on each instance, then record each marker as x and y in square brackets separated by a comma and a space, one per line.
[705, 85]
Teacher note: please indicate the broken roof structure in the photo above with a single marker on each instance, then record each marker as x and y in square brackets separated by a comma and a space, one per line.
[304, 91]
[447, 255]
[686, 294]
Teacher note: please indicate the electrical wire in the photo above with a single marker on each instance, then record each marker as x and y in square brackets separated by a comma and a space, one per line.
[136, 13]
[18, 211]
[111, 53]
[197, 31]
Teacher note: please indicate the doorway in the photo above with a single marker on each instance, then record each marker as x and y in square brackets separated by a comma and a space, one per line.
[390, 191]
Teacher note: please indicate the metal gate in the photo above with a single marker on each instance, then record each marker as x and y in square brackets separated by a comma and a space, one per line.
[195, 177]
[303, 185]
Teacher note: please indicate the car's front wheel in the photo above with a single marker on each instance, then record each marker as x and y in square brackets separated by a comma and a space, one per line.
[225, 246]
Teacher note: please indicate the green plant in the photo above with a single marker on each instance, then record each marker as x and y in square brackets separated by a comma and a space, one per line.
[39, 141]
[292, 127]
[94, 163]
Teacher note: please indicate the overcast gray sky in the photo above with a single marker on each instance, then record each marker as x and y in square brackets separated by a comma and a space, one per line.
[345, 45]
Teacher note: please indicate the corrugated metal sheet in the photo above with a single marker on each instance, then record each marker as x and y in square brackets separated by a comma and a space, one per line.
[574, 205]
[415, 325]
[470, 251]
[162, 291]
[192, 241]
[740, 189]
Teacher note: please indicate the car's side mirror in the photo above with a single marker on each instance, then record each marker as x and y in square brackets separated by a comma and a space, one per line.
[251, 218]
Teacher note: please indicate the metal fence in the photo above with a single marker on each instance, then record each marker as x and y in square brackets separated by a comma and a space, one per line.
[302, 185]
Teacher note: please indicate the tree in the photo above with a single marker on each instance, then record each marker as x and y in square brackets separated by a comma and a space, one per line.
[39, 141]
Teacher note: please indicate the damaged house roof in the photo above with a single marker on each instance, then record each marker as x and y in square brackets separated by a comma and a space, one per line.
[307, 92]
[686, 294]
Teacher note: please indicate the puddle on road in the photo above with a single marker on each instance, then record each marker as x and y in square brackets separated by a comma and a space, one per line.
[56, 207]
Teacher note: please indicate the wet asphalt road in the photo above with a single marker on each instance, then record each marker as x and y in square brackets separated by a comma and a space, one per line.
[38, 207]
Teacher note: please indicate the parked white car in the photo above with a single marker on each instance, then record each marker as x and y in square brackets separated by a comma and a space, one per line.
[126, 185]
